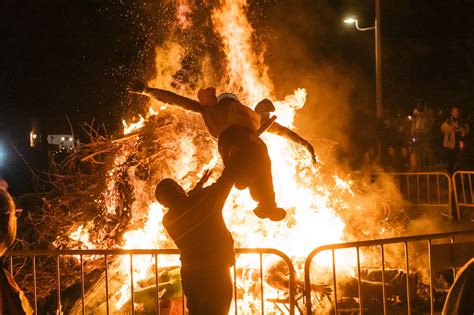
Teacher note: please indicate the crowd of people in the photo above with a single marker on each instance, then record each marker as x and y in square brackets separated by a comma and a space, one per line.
[424, 141]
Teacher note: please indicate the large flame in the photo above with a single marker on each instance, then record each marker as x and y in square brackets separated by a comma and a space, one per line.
[295, 189]
[312, 199]
[247, 73]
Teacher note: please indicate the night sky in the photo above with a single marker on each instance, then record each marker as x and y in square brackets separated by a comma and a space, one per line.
[73, 58]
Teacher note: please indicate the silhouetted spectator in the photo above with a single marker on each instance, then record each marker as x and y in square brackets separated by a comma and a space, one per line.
[389, 161]
[460, 299]
[422, 124]
[371, 158]
[454, 129]
[387, 136]
[406, 160]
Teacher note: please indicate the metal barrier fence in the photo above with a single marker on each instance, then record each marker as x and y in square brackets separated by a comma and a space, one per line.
[422, 189]
[380, 243]
[463, 192]
[154, 253]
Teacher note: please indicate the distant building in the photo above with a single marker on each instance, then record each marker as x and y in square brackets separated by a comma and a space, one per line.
[61, 142]
[56, 142]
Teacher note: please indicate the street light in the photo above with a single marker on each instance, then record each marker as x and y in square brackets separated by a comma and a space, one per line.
[350, 21]
[378, 55]
[354, 21]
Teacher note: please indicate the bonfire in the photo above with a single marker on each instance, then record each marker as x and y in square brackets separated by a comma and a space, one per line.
[103, 193]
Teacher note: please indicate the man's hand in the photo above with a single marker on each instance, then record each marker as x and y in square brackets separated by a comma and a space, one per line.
[201, 182]
[205, 177]
[136, 87]
[314, 158]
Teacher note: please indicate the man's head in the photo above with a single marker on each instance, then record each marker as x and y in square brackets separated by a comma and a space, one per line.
[7, 221]
[455, 112]
[207, 96]
[170, 194]
[264, 108]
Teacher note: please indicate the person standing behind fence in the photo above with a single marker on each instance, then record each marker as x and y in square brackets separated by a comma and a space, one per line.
[12, 299]
[406, 160]
[195, 223]
[422, 125]
[389, 159]
[454, 129]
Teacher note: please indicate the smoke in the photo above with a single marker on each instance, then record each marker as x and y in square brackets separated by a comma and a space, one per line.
[167, 63]
[303, 40]
[304, 45]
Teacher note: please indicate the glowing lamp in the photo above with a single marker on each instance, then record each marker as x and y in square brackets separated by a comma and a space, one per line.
[350, 21]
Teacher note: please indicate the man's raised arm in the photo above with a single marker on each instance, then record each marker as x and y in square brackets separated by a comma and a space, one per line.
[282, 131]
[164, 96]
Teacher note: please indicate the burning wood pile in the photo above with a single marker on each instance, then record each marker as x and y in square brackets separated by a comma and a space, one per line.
[92, 193]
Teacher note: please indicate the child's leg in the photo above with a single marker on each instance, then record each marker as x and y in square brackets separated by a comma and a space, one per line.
[260, 172]
[261, 185]
[256, 172]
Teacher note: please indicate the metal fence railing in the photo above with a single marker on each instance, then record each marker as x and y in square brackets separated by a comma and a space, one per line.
[381, 244]
[34, 255]
[423, 189]
[463, 190]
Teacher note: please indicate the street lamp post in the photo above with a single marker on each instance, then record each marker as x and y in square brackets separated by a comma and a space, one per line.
[378, 56]
[378, 61]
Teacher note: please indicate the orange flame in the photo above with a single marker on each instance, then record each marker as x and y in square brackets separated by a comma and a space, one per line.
[310, 197]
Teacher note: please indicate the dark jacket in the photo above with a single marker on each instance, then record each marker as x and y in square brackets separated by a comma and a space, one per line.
[460, 299]
[199, 230]
[12, 300]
